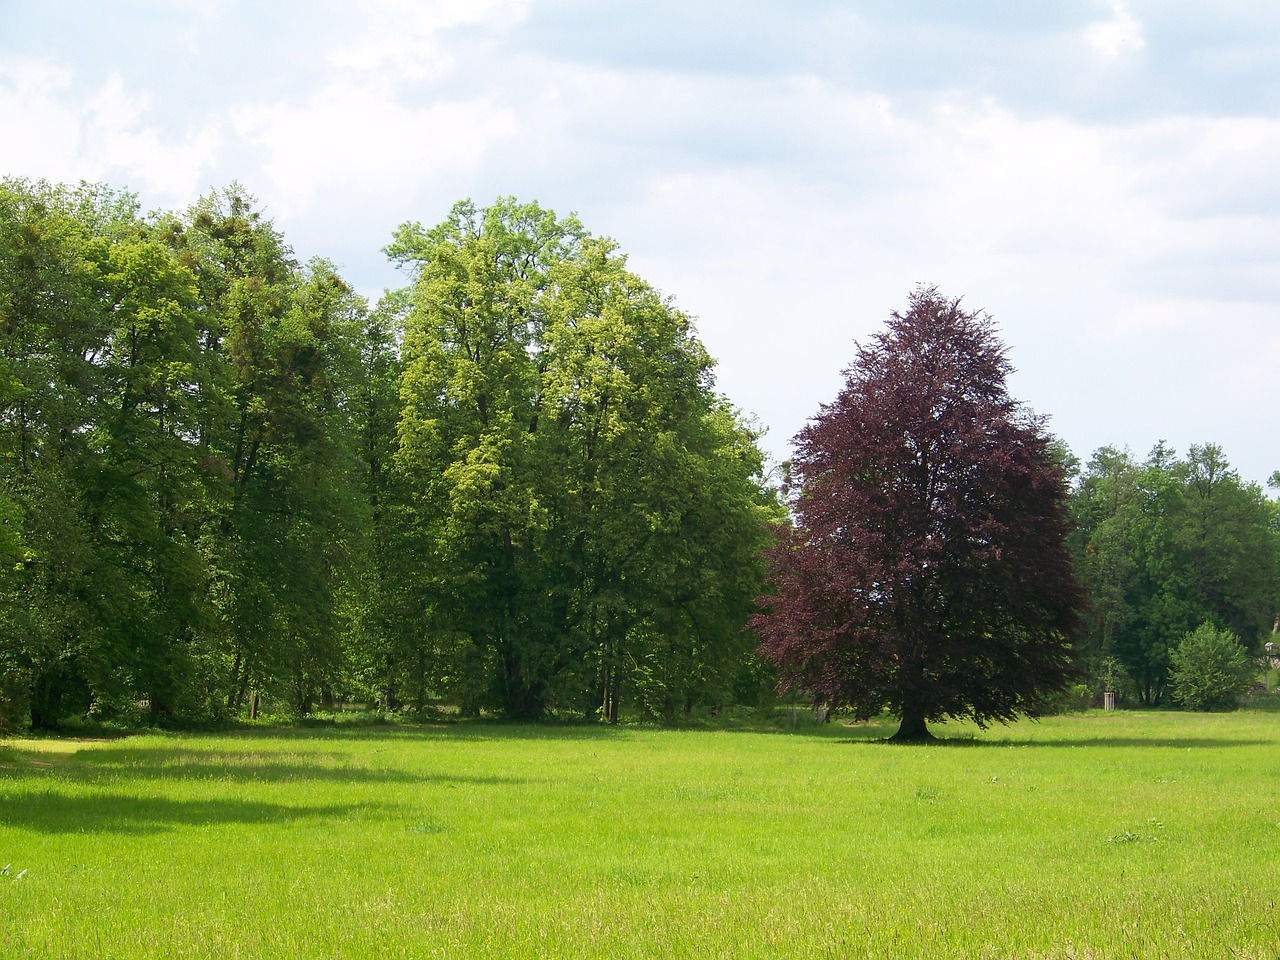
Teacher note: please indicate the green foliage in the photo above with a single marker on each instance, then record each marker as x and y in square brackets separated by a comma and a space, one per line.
[176, 479]
[91, 311]
[1076, 697]
[1164, 545]
[585, 512]
[511, 486]
[223, 478]
[1209, 670]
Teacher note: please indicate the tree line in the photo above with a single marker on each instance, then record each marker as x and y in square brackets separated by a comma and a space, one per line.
[510, 485]
[1163, 546]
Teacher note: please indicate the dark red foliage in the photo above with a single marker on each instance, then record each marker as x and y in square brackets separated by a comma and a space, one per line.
[927, 571]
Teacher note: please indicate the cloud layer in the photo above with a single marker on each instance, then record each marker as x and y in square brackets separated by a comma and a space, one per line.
[1100, 176]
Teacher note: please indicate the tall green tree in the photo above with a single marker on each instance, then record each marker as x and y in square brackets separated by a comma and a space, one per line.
[469, 434]
[220, 474]
[657, 494]
[278, 365]
[95, 335]
[557, 431]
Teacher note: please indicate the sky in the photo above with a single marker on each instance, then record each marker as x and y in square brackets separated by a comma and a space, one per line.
[1101, 176]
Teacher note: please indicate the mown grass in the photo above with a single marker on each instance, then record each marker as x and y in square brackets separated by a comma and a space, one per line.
[1099, 835]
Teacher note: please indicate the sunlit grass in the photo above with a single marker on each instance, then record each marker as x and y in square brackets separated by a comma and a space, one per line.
[1102, 835]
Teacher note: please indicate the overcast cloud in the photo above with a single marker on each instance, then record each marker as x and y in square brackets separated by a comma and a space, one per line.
[1101, 176]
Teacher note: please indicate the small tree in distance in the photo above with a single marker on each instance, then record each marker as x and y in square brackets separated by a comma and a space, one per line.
[1209, 670]
[926, 572]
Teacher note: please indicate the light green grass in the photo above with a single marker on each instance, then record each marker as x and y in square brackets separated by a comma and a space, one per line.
[1100, 835]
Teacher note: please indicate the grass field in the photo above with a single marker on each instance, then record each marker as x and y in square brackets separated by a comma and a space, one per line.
[1096, 835]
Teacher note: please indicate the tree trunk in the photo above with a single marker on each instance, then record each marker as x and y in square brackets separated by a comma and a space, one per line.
[913, 728]
[421, 678]
[44, 703]
[240, 682]
[159, 707]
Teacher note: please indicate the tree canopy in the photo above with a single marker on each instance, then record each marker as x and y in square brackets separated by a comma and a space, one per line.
[926, 571]
[511, 487]
[1168, 544]
[511, 484]
[591, 511]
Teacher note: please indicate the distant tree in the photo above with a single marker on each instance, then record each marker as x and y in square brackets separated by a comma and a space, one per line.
[927, 571]
[1165, 545]
[1209, 670]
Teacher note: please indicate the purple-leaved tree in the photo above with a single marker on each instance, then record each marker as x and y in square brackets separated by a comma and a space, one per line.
[926, 571]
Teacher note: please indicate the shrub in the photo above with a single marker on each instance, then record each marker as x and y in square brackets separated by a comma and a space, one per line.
[1209, 670]
[1074, 698]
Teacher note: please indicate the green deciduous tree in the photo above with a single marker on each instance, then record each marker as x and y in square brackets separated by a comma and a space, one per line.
[575, 479]
[97, 331]
[176, 485]
[220, 474]
[278, 366]
[1165, 545]
[1209, 670]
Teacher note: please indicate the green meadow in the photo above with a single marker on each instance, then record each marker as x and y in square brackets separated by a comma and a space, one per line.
[1093, 835]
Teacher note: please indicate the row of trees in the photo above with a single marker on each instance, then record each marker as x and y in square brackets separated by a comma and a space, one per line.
[180, 400]
[510, 484]
[1162, 547]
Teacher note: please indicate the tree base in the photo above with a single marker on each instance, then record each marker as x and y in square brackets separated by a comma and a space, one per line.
[913, 730]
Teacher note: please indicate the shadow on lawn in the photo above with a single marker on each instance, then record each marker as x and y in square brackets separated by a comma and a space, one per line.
[1171, 743]
[52, 812]
[96, 766]
[457, 730]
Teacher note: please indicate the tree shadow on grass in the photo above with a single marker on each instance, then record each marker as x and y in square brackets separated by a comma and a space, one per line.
[1172, 743]
[52, 812]
[459, 730]
[183, 764]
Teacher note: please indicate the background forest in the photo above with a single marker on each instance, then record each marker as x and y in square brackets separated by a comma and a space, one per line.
[509, 486]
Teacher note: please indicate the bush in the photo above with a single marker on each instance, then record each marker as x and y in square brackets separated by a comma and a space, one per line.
[1209, 670]
[1074, 698]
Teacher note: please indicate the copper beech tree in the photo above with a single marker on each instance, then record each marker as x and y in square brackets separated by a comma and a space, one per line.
[926, 570]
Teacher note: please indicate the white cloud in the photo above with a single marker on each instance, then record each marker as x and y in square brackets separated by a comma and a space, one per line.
[1066, 231]
[117, 137]
[790, 208]
[358, 138]
[1117, 36]
[1254, 374]
[42, 125]
[404, 36]
[106, 135]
